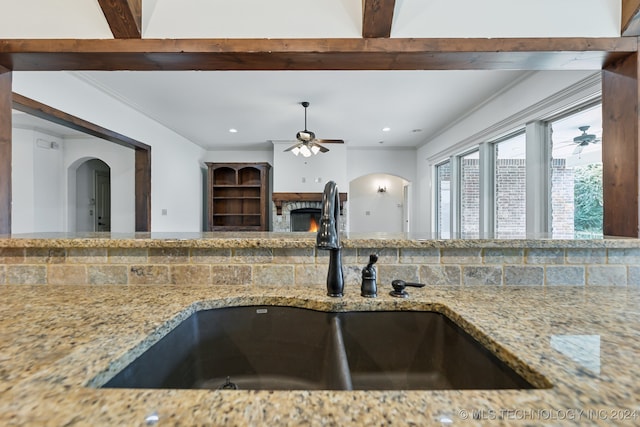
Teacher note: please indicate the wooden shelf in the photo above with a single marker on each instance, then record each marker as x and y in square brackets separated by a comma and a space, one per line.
[238, 196]
[237, 186]
[236, 214]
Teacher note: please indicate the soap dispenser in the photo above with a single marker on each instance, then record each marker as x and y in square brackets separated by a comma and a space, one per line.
[369, 287]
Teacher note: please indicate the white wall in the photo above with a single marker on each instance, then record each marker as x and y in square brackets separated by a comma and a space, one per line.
[400, 163]
[538, 96]
[48, 193]
[309, 174]
[22, 181]
[44, 182]
[176, 177]
[239, 156]
[373, 211]
[121, 161]
[36, 182]
[365, 161]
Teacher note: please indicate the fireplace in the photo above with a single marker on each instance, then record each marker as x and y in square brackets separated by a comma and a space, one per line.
[287, 206]
[305, 219]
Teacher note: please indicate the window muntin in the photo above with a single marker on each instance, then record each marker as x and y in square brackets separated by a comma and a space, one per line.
[443, 199]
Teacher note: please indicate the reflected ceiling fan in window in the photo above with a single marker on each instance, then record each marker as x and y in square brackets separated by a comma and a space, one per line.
[584, 139]
[308, 144]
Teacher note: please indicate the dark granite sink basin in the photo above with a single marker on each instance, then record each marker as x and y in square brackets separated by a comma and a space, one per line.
[418, 351]
[284, 348]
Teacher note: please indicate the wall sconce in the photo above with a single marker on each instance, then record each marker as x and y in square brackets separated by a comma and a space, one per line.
[382, 189]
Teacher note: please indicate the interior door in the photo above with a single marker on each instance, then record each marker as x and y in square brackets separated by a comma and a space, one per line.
[103, 201]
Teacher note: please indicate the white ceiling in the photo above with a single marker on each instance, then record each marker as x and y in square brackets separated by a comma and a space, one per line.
[265, 105]
[316, 18]
[351, 105]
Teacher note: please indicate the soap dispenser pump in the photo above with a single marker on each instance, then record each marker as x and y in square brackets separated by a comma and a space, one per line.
[369, 287]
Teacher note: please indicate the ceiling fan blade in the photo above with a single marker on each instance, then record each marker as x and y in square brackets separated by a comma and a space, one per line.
[322, 148]
[329, 141]
[293, 146]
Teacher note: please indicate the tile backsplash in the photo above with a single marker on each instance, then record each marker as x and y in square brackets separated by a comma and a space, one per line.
[308, 266]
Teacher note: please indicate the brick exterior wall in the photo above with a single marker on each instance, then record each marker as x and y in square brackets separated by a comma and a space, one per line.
[510, 185]
[469, 196]
[511, 197]
[562, 199]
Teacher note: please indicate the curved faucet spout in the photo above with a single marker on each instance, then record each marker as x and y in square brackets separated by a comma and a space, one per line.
[328, 235]
[329, 238]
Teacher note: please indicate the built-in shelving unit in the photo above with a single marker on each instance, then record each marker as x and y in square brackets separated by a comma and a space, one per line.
[238, 196]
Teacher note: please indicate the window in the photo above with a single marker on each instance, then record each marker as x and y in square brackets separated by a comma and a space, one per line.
[488, 190]
[510, 186]
[443, 199]
[470, 194]
[576, 174]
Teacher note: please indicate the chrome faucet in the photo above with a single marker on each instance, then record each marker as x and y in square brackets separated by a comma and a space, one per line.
[328, 238]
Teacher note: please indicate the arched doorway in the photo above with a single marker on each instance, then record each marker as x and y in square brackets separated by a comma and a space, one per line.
[93, 196]
[379, 203]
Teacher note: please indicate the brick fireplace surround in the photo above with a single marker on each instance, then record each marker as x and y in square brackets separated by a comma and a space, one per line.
[284, 203]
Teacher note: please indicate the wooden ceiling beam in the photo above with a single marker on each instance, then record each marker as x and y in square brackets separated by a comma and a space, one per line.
[314, 54]
[46, 112]
[124, 17]
[377, 17]
[630, 24]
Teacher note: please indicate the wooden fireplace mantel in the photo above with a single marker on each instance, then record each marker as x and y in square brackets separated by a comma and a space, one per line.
[280, 198]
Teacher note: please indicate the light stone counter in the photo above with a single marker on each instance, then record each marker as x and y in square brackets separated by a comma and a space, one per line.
[280, 240]
[55, 340]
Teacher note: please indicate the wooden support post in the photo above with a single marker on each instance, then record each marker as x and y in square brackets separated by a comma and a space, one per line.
[5, 151]
[620, 147]
[143, 190]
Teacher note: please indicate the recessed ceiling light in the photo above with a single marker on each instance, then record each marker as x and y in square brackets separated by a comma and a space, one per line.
[233, 130]
[386, 129]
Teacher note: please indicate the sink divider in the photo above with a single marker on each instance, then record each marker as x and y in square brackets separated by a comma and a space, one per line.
[342, 372]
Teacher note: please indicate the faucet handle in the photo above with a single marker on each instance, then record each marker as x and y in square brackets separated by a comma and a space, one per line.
[369, 288]
[399, 285]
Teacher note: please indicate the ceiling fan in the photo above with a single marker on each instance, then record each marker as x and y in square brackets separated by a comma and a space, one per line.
[584, 139]
[308, 144]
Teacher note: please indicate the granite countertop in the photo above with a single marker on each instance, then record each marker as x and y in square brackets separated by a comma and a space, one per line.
[298, 240]
[56, 339]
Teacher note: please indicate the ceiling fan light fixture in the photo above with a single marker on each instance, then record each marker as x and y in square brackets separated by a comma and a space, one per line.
[307, 144]
[304, 150]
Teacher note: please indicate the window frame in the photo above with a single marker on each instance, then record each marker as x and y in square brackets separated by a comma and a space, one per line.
[436, 214]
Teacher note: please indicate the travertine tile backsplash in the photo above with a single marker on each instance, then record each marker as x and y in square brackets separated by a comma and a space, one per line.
[303, 266]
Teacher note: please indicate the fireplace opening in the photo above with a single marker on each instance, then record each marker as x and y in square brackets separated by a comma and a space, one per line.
[305, 219]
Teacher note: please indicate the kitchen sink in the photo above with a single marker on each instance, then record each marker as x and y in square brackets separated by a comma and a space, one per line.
[286, 348]
[401, 350]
